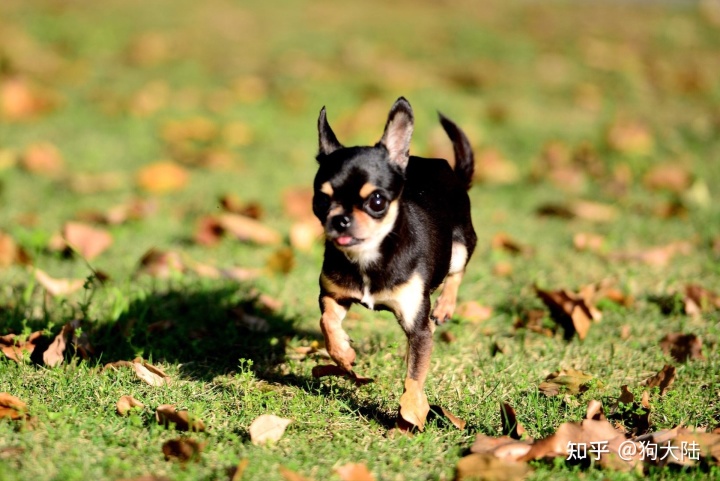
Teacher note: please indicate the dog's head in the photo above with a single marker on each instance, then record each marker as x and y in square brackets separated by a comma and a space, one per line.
[358, 189]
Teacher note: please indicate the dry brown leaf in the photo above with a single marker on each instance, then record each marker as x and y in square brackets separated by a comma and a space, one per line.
[290, 475]
[673, 177]
[630, 137]
[510, 425]
[54, 355]
[533, 319]
[297, 203]
[305, 234]
[247, 229]
[473, 311]
[635, 416]
[595, 411]
[182, 449]
[267, 428]
[698, 299]
[21, 100]
[15, 348]
[150, 374]
[126, 403]
[43, 159]
[574, 312]
[208, 231]
[448, 337]
[502, 269]
[663, 379]
[58, 287]
[236, 473]
[168, 415]
[88, 241]
[446, 415]
[682, 346]
[11, 253]
[354, 472]
[12, 407]
[586, 432]
[586, 210]
[502, 241]
[161, 264]
[503, 447]
[571, 381]
[585, 241]
[162, 177]
[492, 167]
[281, 261]
[487, 467]
[659, 256]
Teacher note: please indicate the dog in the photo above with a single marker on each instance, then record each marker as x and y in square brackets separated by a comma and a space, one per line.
[396, 228]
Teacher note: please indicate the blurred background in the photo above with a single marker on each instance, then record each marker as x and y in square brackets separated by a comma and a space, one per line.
[159, 109]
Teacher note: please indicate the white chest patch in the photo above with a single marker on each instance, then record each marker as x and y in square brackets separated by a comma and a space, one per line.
[404, 300]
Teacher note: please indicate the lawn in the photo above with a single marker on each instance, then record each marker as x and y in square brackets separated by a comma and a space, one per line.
[134, 135]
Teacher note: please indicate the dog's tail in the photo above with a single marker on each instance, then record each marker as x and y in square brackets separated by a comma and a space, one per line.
[464, 158]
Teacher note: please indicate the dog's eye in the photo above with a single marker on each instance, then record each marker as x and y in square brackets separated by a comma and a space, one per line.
[377, 203]
[321, 204]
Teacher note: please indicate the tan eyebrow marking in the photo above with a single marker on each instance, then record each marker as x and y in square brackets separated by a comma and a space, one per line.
[367, 189]
[326, 188]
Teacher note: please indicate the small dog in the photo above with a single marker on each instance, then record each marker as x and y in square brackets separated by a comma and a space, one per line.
[396, 227]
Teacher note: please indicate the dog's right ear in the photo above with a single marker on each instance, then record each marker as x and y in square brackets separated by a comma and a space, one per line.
[328, 143]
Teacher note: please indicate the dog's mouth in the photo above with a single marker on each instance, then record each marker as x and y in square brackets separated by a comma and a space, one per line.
[347, 241]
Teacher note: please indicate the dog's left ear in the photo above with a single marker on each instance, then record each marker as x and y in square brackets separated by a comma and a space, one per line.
[327, 141]
[398, 131]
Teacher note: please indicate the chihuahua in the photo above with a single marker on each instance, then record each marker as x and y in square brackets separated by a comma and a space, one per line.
[396, 228]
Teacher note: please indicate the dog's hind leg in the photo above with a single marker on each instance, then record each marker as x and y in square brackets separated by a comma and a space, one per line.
[445, 305]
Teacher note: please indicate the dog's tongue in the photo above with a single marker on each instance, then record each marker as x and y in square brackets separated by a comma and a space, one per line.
[344, 240]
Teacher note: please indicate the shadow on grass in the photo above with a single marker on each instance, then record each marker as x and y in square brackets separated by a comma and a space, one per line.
[206, 331]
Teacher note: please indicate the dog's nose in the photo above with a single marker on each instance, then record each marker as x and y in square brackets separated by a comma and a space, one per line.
[341, 222]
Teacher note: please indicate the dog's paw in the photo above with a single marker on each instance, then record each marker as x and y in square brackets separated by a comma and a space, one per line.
[343, 356]
[443, 311]
[414, 405]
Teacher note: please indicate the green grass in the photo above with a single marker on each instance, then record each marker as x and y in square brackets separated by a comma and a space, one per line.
[512, 75]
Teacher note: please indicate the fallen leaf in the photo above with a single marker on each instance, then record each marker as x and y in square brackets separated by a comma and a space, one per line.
[236, 473]
[354, 472]
[182, 449]
[682, 346]
[12, 407]
[503, 447]
[333, 370]
[502, 241]
[281, 261]
[126, 403]
[267, 428]
[168, 415]
[305, 234]
[533, 319]
[162, 177]
[161, 264]
[669, 176]
[21, 100]
[43, 159]
[698, 300]
[584, 241]
[448, 337]
[585, 210]
[247, 229]
[473, 311]
[655, 256]
[502, 269]
[54, 355]
[88, 241]
[492, 167]
[208, 231]
[571, 381]
[635, 416]
[290, 475]
[487, 467]
[510, 425]
[630, 137]
[595, 411]
[663, 379]
[11, 253]
[446, 415]
[297, 204]
[58, 287]
[575, 312]
[150, 374]
[15, 348]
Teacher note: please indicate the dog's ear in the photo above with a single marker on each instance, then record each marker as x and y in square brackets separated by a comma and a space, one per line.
[327, 140]
[398, 131]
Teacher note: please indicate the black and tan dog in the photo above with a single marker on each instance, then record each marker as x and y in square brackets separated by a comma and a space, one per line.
[396, 227]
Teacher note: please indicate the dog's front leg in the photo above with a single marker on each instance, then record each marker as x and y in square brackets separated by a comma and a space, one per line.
[337, 341]
[414, 406]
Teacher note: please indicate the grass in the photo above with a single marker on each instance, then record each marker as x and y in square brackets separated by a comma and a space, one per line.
[515, 76]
